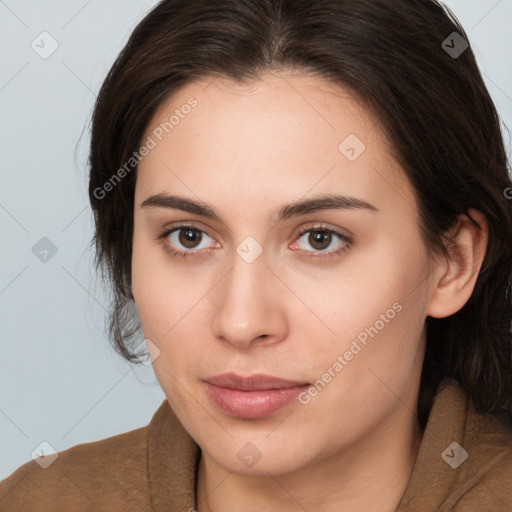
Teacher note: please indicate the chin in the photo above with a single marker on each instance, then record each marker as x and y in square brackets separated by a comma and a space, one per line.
[253, 457]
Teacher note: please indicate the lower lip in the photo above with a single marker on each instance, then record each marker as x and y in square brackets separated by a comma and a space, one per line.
[252, 404]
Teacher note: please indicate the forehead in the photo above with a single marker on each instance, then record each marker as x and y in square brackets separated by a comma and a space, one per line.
[276, 138]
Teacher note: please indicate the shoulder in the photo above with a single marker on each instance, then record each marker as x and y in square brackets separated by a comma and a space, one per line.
[487, 477]
[464, 462]
[110, 474]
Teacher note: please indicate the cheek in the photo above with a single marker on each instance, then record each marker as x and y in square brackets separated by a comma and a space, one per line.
[144, 291]
[377, 312]
[366, 285]
[172, 308]
[158, 287]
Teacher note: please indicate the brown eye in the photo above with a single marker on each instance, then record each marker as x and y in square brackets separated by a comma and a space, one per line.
[189, 237]
[320, 240]
[186, 240]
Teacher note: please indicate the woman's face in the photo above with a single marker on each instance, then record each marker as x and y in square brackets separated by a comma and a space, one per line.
[331, 296]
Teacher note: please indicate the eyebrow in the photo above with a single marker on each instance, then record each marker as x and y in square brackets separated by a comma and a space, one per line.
[302, 207]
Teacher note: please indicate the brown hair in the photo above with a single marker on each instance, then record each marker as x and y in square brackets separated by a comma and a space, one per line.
[433, 106]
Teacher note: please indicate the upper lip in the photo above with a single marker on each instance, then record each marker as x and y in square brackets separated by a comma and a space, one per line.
[252, 383]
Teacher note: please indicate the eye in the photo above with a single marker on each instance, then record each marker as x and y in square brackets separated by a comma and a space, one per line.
[189, 238]
[322, 240]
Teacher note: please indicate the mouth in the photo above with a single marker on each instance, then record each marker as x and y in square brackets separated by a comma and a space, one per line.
[253, 397]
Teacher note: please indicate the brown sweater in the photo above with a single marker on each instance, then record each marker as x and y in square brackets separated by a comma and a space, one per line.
[154, 468]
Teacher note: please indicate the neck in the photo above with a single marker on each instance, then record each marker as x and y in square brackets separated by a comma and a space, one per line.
[371, 475]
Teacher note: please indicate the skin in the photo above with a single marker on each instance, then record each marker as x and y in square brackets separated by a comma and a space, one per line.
[247, 150]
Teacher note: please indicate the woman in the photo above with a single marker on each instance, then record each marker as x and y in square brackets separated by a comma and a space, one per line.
[306, 206]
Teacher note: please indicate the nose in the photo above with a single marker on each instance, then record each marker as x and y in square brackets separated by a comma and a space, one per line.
[249, 306]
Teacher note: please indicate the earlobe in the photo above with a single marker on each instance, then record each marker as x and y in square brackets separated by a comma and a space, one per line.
[455, 277]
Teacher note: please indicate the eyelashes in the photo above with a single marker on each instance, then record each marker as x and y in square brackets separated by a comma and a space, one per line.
[324, 231]
[188, 233]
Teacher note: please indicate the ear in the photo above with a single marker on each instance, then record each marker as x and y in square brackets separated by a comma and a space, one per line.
[455, 276]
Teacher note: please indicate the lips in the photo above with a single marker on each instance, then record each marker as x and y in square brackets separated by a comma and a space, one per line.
[256, 396]
[253, 383]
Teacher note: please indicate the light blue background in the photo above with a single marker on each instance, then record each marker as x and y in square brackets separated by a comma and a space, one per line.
[60, 381]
